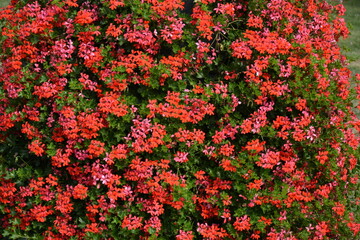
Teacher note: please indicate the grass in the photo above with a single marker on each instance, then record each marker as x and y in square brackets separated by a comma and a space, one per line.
[4, 3]
[351, 45]
[351, 49]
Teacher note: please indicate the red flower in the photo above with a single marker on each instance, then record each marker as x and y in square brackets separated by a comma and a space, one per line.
[200, 175]
[173, 32]
[190, 137]
[322, 157]
[94, 228]
[164, 7]
[46, 90]
[89, 124]
[80, 192]
[212, 232]
[269, 159]
[7, 190]
[256, 184]
[226, 149]
[255, 235]
[52, 180]
[242, 223]
[152, 223]
[30, 131]
[255, 21]
[61, 158]
[113, 31]
[71, 3]
[96, 148]
[185, 235]
[322, 229]
[37, 147]
[40, 212]
[110, 104]
[116, 3]
[241, 49]
[339, 209]
[132, 222]
[84, 17]
[227, 132]
[118, 152]
[255, 146]
[227, 166]
[227, 8]
[204, 22]
[266, 221]
[63, 202]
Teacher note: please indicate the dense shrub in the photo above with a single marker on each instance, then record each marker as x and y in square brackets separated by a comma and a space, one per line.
[140, 119]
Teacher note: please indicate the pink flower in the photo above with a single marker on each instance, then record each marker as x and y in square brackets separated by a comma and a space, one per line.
[181, 157]
[269, 159]
[242, 223]
[132, 222]
[185, 235]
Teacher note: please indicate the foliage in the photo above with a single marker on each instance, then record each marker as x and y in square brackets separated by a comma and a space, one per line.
[129, 119]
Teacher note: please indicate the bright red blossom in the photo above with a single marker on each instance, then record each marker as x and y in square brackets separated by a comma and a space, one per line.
[223, 119]
[37, 147]
[242, 223]
[84, 17]
[80, 191]
[131, 222]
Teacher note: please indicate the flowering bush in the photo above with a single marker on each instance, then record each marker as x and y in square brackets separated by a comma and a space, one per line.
[142, 119]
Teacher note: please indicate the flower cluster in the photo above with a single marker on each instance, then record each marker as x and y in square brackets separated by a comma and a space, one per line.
[170, 119]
